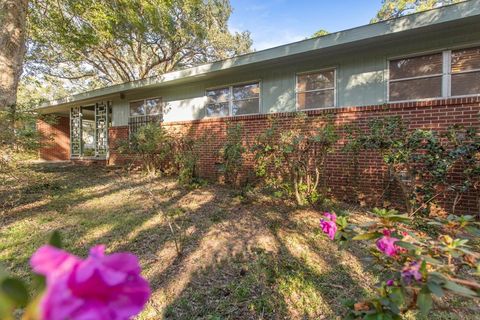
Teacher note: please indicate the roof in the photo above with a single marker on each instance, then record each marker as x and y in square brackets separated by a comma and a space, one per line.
[434, 17]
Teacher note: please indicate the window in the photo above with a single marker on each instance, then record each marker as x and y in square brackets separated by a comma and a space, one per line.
[465, 72]
[416, 78]
[143, 112]
[146, 107]
[246, 99]
[218, 104]
[316, 90]
[233, 100]
[441, 75]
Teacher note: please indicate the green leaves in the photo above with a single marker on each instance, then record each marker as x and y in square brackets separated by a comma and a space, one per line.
[13, 294]
[406, 245]
[119, 41]
[424, 300]
[367, 236]
[391, 215]
[55, 239]
[435, 288]
[459, 289]
[437, 258]
[295, 159]
[15, 290]
[232, 154]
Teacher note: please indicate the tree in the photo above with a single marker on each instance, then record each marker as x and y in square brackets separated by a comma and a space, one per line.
[103, 42]
[12, 49]
[320, 33]
[396, 8]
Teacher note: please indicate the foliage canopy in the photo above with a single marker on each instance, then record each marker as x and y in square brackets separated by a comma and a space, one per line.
[396, 8]
[103, 42]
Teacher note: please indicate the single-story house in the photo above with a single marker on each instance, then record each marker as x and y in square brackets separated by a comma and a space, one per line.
[424, 67]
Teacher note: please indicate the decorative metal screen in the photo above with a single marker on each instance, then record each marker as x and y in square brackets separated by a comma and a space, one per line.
[75, 132]
[135, 122]
[101, 129]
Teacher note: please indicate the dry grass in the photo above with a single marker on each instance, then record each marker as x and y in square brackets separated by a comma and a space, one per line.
[242, 257]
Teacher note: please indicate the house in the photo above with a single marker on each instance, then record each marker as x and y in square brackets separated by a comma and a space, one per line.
[424, 67]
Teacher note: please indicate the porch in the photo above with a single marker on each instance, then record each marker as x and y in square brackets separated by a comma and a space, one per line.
[82, 133]
[78, 133]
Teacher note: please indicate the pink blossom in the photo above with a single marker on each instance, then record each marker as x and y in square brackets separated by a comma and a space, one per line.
[330, 216]
[386, 244]
[390, 282]
[411, 272]
[328, 224]
[99, 287]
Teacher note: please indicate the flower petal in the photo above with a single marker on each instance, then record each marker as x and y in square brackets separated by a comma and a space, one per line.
[48, 260]
[125, 262]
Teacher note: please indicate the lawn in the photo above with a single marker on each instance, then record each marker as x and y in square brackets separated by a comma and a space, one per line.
[243, 256]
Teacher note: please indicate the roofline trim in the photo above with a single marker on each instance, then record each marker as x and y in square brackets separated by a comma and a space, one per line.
[431, 17]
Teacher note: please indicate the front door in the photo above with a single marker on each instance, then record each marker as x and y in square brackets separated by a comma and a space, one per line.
[89, 131]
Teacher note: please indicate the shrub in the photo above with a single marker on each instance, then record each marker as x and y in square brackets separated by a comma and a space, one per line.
[232, 154]
[154, 147]
[420, 161]
[415, 266]
[464, 151]
[186, 155]
[293, 161]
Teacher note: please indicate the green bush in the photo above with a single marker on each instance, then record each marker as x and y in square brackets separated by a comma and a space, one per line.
[187, 153]
[154, 147]
[293, 161]
[232, 154]
[420, 161]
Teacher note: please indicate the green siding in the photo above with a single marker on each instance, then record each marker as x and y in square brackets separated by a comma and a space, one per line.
[361, 75]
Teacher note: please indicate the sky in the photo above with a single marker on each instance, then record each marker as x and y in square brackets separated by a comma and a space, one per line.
[276, 22]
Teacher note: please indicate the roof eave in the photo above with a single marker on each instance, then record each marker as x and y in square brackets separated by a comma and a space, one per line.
[411, 22]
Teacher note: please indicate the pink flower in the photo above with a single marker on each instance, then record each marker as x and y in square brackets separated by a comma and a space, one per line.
[99, 287]
[390, 282]
[411, 272]
[328, 224]
[386, 244]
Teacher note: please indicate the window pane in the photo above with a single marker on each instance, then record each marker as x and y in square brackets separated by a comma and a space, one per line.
[217, 110]
[465, 84]
[416, 89]
[246, 91]
[218, 95]
[248, 106]
[153, 106]
[315, 100]
[315, 81]
[465, 60]
[137, 108]
[416, 67]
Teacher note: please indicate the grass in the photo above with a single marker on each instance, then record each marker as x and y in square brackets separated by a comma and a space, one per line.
[241, 257]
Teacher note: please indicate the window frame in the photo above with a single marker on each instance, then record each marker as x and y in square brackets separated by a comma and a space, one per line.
[450, 73]
[144, 101]
[446, 73]
[296, 92]
[231, 99]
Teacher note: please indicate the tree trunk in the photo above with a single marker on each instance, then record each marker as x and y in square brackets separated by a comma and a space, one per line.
[13, 15]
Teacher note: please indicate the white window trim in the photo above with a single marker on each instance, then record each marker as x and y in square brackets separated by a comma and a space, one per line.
[231, 100]
[334, 88]
[144, 101]
[446, 74]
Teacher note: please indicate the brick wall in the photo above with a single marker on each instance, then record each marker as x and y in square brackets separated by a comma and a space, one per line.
[116, 135]
[56, 139]
[436, 114]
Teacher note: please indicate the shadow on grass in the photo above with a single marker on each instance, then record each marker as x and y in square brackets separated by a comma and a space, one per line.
[66, 186]
[237, 261]
[278, 284]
